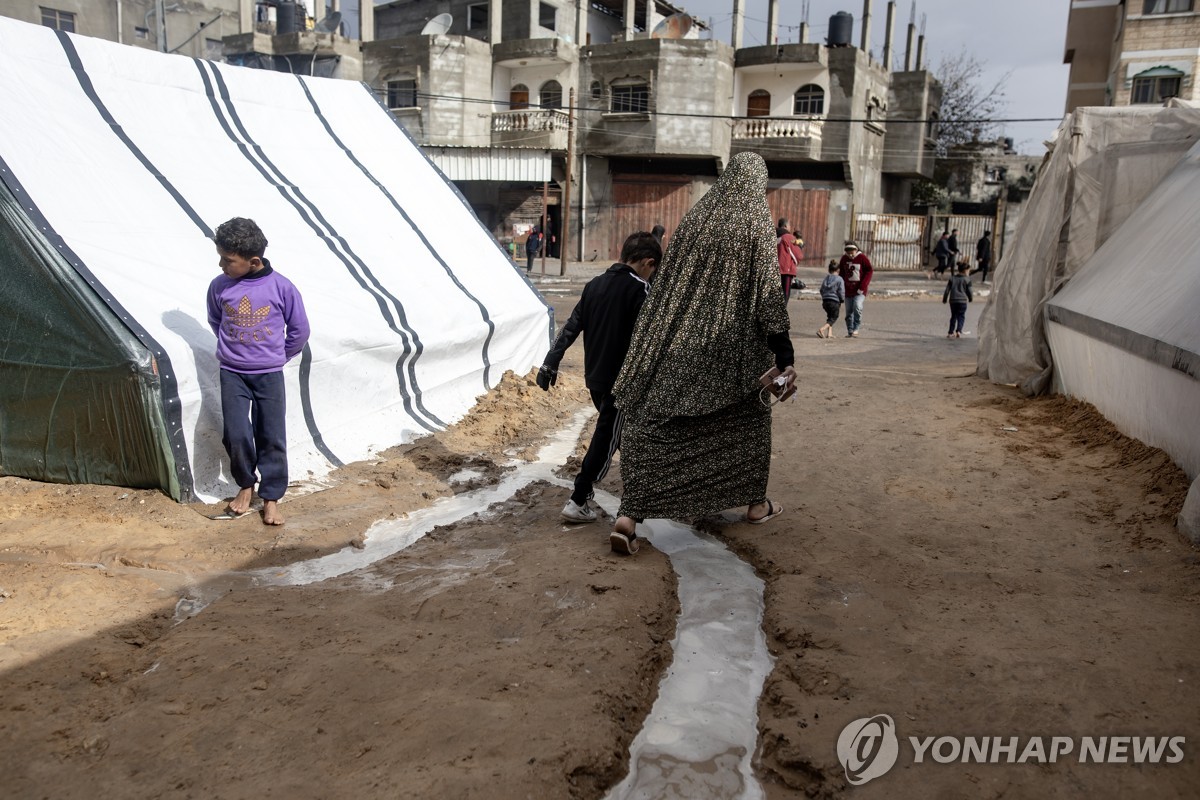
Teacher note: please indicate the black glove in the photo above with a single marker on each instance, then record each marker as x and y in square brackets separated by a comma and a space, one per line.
[546, 377]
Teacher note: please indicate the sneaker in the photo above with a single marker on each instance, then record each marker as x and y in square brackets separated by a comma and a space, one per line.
[573, 512]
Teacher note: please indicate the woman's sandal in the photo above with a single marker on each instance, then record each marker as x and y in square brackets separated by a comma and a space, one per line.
[625, 544]
[772, 511]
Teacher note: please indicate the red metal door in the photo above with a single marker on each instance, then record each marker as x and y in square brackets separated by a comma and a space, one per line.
[642, 201]
[808, 212]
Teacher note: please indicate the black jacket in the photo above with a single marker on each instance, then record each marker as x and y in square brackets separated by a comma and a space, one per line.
[605, 315]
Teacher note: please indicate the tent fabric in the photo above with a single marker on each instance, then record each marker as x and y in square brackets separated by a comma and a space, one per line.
[1102, 163]
[119, 163]
[1124, 333]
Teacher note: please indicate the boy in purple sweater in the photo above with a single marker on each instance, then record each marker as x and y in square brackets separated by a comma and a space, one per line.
[259, 320]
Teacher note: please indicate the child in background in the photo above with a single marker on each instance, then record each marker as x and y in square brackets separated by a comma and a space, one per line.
[259, 320]
[958, 294]
[833, 294]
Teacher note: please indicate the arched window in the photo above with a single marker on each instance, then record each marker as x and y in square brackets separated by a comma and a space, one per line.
[758, 104]
[551, 95]
[518, 97]
[809, 99]
[1155, 85]
[597, 90]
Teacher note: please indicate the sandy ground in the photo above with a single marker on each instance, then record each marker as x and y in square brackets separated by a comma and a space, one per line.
[932, 564]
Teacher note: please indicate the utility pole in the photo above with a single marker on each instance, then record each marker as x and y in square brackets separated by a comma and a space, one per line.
[545, 222]
[566, 200]
[160, 10]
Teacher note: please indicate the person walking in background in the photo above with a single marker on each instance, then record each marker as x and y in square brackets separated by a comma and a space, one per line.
[697, 436]
[833, 294]
[260, 324]
[952, 243]
[856, 270]
[605, 315]
[983, 255]
[533, 246]
[958, 294]
[941, 251]
[789, 253]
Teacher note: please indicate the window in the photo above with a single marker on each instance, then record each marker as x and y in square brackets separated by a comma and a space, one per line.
[1166, 6]
[551, 95]
[931, 128]
[141, 33]
[402, 94]
[518, 97]
[1154, 86]
[809, 99]
[758, 104]
[59, 20]
[547, 16]
[477, 17]
[597, 90]
[631, 99]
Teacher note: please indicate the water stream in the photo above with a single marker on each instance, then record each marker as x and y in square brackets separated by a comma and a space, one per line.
[699, 738]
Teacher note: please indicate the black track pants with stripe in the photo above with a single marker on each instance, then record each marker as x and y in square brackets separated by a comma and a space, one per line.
[606, 439]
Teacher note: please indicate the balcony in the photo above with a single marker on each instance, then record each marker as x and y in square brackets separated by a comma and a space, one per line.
[779, 137]
[544, 128]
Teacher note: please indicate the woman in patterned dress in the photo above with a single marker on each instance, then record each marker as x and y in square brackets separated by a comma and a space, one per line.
[697, 437]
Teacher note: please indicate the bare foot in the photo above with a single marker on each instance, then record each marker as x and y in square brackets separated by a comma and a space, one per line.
[241, 503]
[270, 513]
[624, 525]
[761, 512]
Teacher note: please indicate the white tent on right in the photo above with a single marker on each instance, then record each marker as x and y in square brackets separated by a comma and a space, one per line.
[1099, 295]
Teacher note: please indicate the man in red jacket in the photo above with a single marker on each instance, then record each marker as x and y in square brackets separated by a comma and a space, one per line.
[856, 270]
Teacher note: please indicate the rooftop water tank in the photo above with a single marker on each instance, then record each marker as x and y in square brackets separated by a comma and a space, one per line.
[286, 18]
[841, 29]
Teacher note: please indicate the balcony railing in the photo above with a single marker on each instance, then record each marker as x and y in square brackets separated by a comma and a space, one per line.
[533, 120]
[777, 128]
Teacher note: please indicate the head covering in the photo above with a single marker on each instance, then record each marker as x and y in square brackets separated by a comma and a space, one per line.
[700, 340]
[850, 245]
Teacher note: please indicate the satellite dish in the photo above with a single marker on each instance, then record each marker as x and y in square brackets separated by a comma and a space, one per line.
[330, 23]
[676, 26]
[438, 25]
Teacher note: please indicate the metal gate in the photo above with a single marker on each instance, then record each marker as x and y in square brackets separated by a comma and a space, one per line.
[642, 201]
[893, 241]
[970, 230]
[808, 212]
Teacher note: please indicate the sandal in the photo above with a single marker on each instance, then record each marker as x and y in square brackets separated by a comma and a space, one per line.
[625, 544]
[772, 511]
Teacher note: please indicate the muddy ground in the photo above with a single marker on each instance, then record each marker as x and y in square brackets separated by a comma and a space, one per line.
[963, 559]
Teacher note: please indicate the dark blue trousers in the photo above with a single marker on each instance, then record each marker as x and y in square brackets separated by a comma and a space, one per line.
[255, 435]
[958, 316]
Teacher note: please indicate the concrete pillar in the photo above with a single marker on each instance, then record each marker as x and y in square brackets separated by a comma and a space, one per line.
[318, 11]
[865, 46]
[630, 14]
[887, 35]
[652, 17]
[908, 48]
[245, 16]
[581, 20]
[773, 22]
[803, 33]
[739, 23]
[366, 20]
[494, 19]
[920, 51]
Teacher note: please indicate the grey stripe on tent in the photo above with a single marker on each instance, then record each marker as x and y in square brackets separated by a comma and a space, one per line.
[437, 170]
[336, 244]
[483, 312]
[171, 393]
[1139, 344]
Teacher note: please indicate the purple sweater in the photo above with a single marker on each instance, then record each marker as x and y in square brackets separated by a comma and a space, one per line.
[259, 321]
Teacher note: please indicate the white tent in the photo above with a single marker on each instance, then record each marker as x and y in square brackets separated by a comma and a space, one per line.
[1097, 296]
[117, 163]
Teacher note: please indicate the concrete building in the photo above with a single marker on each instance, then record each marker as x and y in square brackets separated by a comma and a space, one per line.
[1131, 52]
[658, 113]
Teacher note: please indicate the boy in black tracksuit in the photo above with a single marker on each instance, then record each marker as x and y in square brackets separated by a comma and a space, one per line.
[605, 314]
